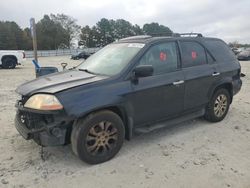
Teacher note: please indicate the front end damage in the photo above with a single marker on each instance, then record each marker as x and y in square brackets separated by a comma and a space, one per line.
[46, 128]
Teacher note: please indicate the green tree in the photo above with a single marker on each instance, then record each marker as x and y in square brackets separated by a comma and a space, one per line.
[12, 37]
[106, 31]
[156, 30]
[123, 28]
[27, 39]
[69, 24]
[50, 35]
[137, 29]
[88, 37]
[7, 40]
[105, 28]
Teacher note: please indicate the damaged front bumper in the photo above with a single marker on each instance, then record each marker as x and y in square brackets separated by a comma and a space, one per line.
[45, 128]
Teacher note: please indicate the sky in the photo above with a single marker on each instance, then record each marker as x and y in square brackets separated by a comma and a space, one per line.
[225, 19]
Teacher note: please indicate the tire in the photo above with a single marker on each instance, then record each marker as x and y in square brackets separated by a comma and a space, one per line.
[98, 137]
[218, 106]
[9, 63]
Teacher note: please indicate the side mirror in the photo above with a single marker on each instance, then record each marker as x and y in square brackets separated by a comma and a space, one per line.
[143, 71]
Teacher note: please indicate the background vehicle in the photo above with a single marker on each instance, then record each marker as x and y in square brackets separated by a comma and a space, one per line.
[81, 55]
[10, 58]
[244, 55]
[236, 50]
[130, 85]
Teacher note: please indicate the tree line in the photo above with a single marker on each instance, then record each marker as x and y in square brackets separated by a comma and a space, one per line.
[236, 44]
[106, 31]
[61, 31]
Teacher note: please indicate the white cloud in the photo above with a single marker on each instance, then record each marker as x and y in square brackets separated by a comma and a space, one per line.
[226, 19]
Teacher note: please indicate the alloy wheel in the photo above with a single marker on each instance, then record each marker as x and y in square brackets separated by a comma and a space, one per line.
[101, 138]
[220, 105]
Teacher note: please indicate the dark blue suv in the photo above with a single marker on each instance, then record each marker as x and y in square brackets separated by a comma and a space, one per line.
[130, 85]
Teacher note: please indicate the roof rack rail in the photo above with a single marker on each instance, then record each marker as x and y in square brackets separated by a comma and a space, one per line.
[136, 37]
[187, 34]
[162, 34]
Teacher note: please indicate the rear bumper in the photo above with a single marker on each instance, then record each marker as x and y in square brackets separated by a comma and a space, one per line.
[44, 129]
[236, 86]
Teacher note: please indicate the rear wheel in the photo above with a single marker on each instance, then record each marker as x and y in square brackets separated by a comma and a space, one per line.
[218, 106]
[98, 137]
[9, 63]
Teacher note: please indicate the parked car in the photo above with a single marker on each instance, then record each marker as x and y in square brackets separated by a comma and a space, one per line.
[244, 55]
[81, 55]
[236, 50]
[129, 86]
[11, 58]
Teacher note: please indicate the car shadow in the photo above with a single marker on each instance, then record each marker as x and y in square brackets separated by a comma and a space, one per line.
[1, 68]
[64, 154]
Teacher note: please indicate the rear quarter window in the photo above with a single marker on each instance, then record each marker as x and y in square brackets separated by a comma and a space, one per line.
[220, 50]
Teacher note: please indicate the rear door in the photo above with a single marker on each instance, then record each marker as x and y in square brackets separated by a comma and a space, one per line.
[161, 95]
[199, 71]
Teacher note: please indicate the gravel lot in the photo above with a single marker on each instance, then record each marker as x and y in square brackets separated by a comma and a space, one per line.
[192, 154]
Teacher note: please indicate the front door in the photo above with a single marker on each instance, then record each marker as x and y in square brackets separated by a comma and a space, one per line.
[161, 95]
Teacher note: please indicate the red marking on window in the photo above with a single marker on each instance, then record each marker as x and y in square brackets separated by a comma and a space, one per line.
[163, 56]
[194, 55]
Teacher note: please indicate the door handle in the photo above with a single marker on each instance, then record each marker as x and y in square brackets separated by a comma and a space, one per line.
[178, 82]
[216, 74]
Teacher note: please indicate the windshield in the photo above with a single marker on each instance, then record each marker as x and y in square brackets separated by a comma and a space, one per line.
[111, 59]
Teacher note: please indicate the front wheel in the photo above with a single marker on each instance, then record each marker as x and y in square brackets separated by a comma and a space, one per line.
[218, 106]
[98, 137]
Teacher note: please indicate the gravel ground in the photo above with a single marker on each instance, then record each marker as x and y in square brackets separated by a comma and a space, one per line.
[193, 154]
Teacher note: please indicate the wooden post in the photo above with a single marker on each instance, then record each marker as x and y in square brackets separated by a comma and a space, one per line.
[33, 34]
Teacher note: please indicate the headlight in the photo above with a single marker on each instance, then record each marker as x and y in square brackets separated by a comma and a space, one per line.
[43, 102]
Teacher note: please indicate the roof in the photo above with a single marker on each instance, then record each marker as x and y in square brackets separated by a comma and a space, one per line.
[148, 38]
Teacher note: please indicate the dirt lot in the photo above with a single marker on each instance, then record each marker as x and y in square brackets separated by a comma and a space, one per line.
[192, 154]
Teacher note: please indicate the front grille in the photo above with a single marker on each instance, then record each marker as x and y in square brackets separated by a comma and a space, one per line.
[34, 121]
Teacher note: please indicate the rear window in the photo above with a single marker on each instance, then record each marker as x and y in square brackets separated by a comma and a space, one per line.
[220, 51]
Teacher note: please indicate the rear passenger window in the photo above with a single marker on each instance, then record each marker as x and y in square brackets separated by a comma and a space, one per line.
[193, 54]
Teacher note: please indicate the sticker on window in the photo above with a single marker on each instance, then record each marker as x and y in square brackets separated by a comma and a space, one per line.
[136, 45]
[163, 56]
[194, 55]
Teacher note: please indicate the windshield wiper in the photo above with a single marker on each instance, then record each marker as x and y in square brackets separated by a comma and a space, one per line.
[90, 72]
[86, 70]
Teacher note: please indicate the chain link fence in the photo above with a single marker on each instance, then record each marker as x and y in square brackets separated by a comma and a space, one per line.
[60, 52]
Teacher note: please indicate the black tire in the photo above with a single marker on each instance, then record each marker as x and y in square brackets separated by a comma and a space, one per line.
[89, 142]
[216, 110]
[9, 63]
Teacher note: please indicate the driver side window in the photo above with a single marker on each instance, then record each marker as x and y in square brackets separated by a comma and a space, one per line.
[163, 58]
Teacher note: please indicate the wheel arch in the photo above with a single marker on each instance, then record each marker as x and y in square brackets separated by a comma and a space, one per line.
[226, 85]
[10, 56]
[121, 112]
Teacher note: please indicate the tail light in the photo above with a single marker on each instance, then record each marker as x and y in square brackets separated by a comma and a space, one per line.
[23, 55]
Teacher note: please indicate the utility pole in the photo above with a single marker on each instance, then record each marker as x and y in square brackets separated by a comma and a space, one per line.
[33, 34]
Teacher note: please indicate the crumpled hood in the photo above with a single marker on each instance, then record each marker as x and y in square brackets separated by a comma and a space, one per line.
[57, 82]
